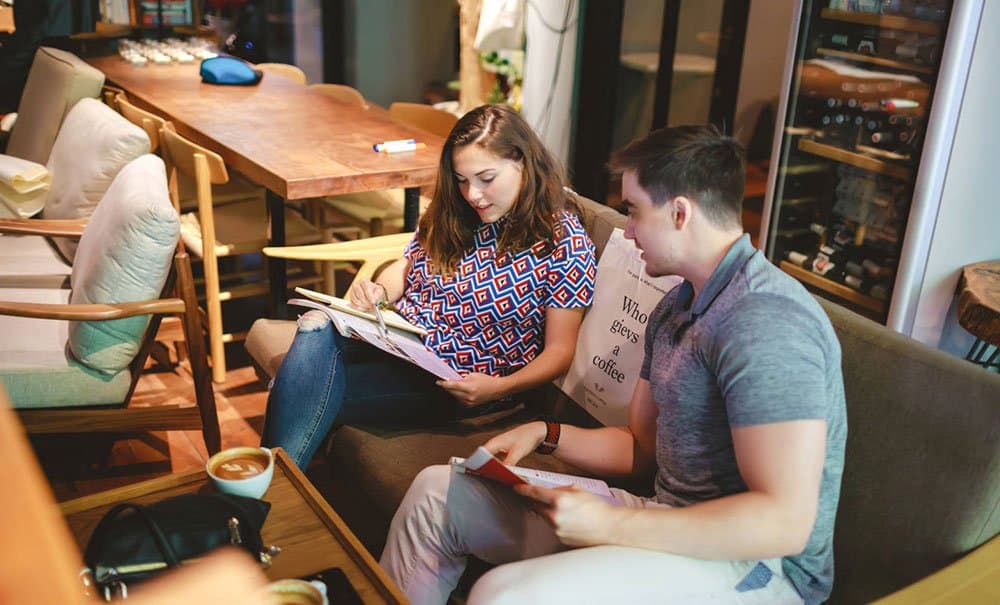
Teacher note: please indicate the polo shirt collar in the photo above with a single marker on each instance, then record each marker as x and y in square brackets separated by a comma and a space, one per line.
[737, 256]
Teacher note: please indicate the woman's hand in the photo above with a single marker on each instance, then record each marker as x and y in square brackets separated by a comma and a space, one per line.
[475, 389]
[517, 442]
[365, 294]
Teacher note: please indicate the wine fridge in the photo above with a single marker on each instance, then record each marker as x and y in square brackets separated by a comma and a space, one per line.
[871, 118]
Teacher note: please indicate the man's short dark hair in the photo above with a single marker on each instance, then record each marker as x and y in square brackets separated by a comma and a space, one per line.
[697, 162]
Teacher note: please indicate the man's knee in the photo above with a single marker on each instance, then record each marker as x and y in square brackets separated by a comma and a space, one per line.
[431, 482]
[313, 321]
[515, 583]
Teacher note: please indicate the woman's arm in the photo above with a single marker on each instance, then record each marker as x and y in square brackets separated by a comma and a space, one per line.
[389, 284]
[561, 328]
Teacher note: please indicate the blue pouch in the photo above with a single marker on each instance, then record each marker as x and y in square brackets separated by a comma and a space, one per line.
[229, 70]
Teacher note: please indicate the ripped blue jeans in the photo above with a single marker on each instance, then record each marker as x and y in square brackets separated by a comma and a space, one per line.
[326, 379]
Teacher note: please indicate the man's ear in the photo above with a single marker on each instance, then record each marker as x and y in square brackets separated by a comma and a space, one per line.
[681, 212]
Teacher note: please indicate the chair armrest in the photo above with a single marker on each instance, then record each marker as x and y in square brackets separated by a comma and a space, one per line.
[384, 247]
[92, 312]
[974, 578]
[71, 229]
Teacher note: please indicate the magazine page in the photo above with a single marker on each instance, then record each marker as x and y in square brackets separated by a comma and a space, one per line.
[484, 464]
[403, 344]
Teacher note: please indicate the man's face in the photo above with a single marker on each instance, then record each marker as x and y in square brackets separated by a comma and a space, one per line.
[650, 227]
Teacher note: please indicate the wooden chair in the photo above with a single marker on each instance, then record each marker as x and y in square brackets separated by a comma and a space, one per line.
[235, 190]
[342, 92]
[111, 94]
[77, 372]
[379, 212]
[219, 231]
[424, 117]
[284, 70]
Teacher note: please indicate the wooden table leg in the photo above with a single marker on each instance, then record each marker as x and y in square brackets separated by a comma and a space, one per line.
[276, 267]
[411, 208]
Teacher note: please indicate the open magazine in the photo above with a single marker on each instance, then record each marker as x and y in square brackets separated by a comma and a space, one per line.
[484, 464]
[403, 339]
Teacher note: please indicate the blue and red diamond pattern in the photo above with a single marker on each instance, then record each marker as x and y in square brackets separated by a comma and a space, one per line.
[490, 317]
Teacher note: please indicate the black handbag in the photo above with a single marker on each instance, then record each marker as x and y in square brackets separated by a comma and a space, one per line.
[133, 542]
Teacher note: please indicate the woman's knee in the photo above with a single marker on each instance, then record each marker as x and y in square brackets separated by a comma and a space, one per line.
[313, 321]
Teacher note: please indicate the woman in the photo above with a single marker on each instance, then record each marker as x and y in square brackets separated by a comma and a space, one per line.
[499, 274]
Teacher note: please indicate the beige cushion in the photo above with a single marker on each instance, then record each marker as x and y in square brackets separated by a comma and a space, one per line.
[94, 143]
[57, 80]
[124, 255]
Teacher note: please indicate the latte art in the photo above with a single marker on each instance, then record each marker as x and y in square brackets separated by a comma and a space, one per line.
[240, 467]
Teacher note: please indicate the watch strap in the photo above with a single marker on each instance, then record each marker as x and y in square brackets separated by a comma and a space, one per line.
[551, 441]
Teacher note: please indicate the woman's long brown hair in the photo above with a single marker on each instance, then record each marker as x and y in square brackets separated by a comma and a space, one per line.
[449, 225]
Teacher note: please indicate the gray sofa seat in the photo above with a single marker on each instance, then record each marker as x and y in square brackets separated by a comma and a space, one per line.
[921, 484]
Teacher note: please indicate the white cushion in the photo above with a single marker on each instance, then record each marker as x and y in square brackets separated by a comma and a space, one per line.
[124, 256]
[94, 143]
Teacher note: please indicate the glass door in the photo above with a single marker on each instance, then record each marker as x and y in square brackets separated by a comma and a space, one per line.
[852, 136]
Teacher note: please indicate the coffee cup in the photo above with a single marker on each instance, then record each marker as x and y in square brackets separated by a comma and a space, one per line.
[297, 592]
[242, 471]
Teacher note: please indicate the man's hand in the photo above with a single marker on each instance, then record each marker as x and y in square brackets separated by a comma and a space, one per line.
[474, 389]
[365, 294]
[578, 517]
[517, 442]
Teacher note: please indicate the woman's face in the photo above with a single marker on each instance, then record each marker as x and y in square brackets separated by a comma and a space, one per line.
[489, 183]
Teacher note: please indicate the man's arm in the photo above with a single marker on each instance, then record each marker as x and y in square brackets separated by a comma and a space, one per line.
[781, 463]
[619, 451]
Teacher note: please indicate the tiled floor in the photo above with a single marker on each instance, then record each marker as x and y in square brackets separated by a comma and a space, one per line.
[80, 465]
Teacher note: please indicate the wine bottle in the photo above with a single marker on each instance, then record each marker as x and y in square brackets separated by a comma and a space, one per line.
[828, 263]
[799, 260]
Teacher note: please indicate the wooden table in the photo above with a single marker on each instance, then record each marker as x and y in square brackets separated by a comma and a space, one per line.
[295, 142]
[312, 536]
[979, 311]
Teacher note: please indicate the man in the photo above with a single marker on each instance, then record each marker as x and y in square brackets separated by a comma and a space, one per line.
[739, 411]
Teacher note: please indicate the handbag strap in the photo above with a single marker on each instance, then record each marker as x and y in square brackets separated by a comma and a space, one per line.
[97, 538]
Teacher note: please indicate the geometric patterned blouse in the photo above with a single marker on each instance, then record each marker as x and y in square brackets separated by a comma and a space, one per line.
[490, 316]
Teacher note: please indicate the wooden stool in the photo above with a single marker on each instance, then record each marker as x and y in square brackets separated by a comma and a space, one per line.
[979, 311]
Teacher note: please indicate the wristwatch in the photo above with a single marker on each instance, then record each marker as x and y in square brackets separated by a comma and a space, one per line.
[551, 441]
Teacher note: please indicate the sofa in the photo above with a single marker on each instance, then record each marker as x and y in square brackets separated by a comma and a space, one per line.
[921, 482]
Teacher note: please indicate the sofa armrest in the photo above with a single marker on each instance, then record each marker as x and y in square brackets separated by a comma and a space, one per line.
[975, 578]
[92, 312]
[68, 228]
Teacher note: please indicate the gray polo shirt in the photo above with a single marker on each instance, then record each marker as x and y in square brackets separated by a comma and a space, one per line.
[753, 348]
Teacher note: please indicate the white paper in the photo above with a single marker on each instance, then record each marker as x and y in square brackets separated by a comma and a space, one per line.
[402, 344]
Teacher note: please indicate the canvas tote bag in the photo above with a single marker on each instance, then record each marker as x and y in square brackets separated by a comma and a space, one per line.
[610, 346]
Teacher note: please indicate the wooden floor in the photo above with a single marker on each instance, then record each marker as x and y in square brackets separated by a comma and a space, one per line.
[80, 465]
